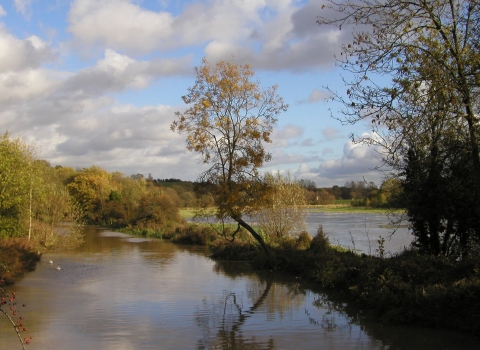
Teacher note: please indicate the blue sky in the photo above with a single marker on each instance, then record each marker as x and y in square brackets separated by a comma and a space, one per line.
[92, 82]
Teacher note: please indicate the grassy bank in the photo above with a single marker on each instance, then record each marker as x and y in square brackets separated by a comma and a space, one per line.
[188, 213]
[347, 208]
[17, 256]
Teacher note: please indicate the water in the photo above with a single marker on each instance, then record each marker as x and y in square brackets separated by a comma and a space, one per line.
[361, 232]
[121, 292]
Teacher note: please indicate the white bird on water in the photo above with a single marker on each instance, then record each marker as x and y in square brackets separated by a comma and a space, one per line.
[58, 267]
[50, 261]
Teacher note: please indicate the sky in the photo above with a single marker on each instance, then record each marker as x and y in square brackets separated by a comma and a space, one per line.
[97, 82]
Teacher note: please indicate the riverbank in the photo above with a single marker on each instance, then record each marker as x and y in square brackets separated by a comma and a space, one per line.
[17, 257]
[189, 213]
[403, 288]
[407, 288]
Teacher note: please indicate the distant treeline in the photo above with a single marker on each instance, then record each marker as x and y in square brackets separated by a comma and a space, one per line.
[35, 198]
[359, 193]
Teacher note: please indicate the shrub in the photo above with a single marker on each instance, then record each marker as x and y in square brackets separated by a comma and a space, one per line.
[303, 240]
[320, 242]
[194, 234]
[17, 256]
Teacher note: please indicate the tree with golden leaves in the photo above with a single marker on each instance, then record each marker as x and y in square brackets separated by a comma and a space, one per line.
[228, 120]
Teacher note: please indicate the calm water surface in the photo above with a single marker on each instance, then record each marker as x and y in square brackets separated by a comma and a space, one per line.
[124, 293]
[361, 232]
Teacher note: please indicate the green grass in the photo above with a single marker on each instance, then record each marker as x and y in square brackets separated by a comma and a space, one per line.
[189, 213]
[350, 209]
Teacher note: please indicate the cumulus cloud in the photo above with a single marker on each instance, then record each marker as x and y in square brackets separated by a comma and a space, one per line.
[17, 55]
[270, 35]
[116, 72]
[71, 107]
[125, 26]
[119, 24]
[354, 165]
[291, 40]
[42, 97]
[357, 160]
[2, 11]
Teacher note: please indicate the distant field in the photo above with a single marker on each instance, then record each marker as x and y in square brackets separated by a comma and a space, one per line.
[188, 213]
[336, 208]
[344, 207]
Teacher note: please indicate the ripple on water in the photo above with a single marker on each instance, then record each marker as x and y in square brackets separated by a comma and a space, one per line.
[118, 293]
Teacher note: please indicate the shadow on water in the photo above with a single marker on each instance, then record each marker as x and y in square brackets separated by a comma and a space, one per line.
[223, 321]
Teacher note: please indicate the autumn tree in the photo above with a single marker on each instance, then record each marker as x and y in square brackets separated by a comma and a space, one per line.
[283, 213]
[413, 72]
[228, 120]
[16, 176]
[34, 202]
[91, 188]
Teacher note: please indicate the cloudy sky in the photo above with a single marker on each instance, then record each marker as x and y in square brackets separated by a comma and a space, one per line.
[97, 82]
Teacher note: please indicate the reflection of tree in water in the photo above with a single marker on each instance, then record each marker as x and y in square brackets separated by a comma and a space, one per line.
[334, 317]
[221, 322]
[340, 317]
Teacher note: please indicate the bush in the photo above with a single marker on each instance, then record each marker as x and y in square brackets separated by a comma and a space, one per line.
[320, 242]
[17, 255]
[194, 234]
[303, 240]
[234, 251]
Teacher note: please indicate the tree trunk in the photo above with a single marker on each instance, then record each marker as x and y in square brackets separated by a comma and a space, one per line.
[259, 238]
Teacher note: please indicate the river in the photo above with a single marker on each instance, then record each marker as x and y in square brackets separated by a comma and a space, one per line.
[127, 293]
[362, 231]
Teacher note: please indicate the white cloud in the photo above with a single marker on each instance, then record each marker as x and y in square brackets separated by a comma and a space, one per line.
[282, 137]
[127, 27]
[118, 24]
[18, 54]
[268, 34]
[72, 108]
[357, 161]
[2, 11]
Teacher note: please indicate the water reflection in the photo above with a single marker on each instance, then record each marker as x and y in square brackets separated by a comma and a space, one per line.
[123, 292]
[221, 322]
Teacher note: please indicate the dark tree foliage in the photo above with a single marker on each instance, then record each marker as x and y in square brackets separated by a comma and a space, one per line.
[440, 203]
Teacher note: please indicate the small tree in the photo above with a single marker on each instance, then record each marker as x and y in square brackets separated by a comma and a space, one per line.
[228, 121]
[283, 213]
